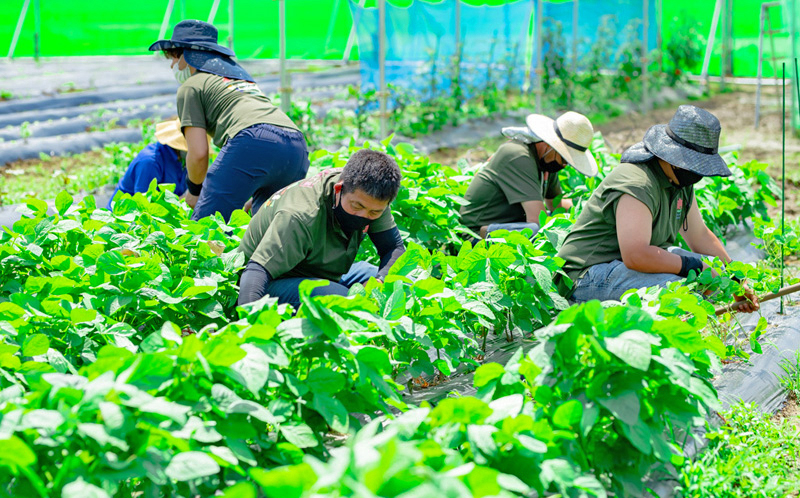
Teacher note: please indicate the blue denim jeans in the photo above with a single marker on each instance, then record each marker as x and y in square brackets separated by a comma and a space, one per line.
[608, 281]
[257, 162]
[287, 289]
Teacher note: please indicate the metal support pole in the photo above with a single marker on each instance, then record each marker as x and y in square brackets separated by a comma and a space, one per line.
[710, 44]
[37, 29]
[783, 175]
[539, 56]
[659, 40]
[286, 103]
[183, 10]
[730, 38]
[351, 38]
[723, 63]
[645, 29]
[575, 7]
[793, 37]
[458, 26]
[230, 24]
[382, 65]
[331, 24]
[18, 29]
[165, 22]
[213, 13]
[760, 68]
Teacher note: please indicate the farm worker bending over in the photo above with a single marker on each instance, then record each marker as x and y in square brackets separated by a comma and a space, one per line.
[622, 239]
[162, 161]
[262, 150]
[312, 230]
[521, 178]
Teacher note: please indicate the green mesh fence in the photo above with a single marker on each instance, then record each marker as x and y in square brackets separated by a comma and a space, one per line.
[315, 29]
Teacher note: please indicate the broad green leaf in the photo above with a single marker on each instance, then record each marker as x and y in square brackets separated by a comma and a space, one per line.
[112, 263]
[480, 437]
[633, 347]
[333, 411]
[63, 202]
[191, 465]
[325, 380]
[375, 357]
[10, 311]
[252, 370]
[299, 435]
[285, 482]
[568, 414]
[82, 315]
[35, 345]
[242, 489]
[16, 452]
[625, 407]
[487, 373]
[81, 488]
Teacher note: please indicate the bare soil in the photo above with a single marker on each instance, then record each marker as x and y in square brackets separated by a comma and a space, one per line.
[33, 168]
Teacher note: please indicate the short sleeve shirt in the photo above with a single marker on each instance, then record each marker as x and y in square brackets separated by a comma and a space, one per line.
[224, 107]
[512, 176]
[295, 233]
[593, 239]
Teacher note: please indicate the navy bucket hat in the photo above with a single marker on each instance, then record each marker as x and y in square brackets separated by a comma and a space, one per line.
[198, 40]
[193, 34]
[690, 141]
[221, 65]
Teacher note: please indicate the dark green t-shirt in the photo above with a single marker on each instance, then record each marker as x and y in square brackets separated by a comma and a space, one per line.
[224, 107]
[295, 233]
[511, 177]
[593, 239]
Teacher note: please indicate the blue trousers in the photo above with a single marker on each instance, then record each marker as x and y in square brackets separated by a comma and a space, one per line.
[257, 162]
[286, 289]
[609, 281]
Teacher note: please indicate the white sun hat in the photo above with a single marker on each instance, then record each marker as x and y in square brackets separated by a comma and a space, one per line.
[169, 133]
[570, 135]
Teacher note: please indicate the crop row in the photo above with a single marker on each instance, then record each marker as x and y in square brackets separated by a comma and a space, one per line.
[126, 367]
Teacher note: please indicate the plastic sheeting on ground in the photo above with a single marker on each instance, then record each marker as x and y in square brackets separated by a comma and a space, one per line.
[66, 144]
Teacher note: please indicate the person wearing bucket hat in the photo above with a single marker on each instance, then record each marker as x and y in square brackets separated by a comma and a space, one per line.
[262, 150]
[162, 161]
[624, 237]
[521, 179]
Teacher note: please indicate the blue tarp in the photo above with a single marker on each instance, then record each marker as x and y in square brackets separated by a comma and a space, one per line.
[420, 40]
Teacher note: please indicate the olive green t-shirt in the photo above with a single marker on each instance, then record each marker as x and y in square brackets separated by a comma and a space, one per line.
[511, 177]
[224, 107]
[295, 233]
[593, 239]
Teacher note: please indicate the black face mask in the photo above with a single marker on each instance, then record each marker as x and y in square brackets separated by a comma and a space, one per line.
[686, 177]
[350, 223]
[551, 166]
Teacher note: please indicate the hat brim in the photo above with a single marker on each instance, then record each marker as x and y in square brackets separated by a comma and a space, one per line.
[205, 46]
[662, 146]
[636, 153]
[210, 62]
[542, 126]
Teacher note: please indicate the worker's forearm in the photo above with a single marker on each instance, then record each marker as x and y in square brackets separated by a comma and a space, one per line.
[709, 244]
[196, 167]
[652, 259]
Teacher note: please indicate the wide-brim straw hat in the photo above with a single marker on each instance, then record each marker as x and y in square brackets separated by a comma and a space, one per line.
[570, 135]
[169, 133]
[195, 35]
[690, 141]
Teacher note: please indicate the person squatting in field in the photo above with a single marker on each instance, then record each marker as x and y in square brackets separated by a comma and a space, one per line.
[625, 235]
[521, 180]
[312, 229]
[262, 150]
[162, 161]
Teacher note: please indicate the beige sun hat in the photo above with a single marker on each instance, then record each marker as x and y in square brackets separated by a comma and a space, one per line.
[570, 135]
[169, 133]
